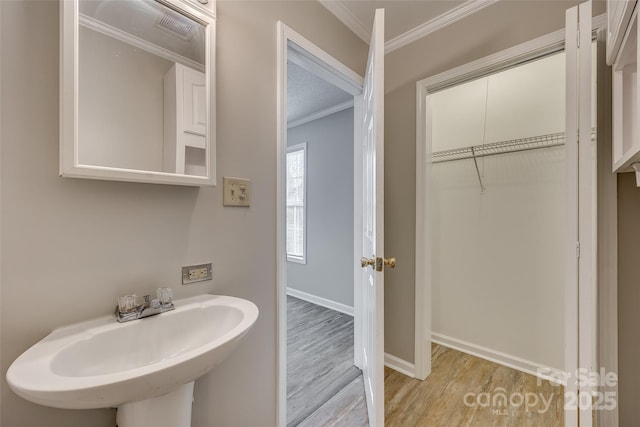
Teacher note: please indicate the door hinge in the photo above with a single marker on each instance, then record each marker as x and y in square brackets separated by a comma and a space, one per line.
[577, 249]
[578, 38]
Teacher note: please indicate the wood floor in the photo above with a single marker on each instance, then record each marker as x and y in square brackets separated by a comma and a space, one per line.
[324, 388]
[456, 378]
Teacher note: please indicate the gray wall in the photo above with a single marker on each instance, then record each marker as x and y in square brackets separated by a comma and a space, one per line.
[328, 272]
[502, 25]
[69, 247]
[628, 299]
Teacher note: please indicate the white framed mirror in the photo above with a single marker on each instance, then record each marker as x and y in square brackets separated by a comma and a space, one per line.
[137, 91]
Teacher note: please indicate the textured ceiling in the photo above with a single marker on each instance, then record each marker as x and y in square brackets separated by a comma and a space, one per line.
[308, 94]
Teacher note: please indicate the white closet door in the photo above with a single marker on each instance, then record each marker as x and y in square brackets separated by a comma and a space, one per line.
[579, 320]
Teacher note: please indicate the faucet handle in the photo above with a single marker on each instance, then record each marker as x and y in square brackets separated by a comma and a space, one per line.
[165, 295]
[127, 303]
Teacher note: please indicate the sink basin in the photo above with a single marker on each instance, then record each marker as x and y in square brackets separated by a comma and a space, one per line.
[102, 363]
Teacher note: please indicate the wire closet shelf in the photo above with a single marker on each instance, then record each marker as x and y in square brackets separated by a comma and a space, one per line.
[502, 147]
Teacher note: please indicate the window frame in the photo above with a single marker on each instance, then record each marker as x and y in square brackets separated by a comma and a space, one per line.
[291, 257]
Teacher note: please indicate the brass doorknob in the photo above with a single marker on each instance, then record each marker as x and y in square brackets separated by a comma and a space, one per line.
[377, 263]
[365, 262]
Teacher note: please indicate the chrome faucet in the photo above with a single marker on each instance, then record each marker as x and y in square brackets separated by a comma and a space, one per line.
[128, 308]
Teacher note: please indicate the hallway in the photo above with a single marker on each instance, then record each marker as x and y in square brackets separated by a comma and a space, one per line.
[323, 385]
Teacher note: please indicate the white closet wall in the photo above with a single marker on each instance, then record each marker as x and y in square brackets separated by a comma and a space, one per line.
[498, 261]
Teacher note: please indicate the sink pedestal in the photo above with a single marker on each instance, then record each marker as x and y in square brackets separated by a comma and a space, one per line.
[169, 410]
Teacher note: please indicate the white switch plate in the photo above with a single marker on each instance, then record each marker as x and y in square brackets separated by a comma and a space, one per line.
[237, 191]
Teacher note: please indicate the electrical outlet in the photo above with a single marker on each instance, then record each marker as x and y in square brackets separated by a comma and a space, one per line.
[196, 273]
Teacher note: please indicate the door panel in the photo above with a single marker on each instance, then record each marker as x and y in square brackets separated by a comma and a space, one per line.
[373, 224]
[580, 294]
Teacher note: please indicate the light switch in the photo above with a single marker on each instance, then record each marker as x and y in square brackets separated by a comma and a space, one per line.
[237, 191]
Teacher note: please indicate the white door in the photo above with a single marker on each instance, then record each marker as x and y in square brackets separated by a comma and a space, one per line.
[580, 154]
[373, 225]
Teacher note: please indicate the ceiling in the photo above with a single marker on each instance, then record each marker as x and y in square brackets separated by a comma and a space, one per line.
[405, 20]
[308, 94]
[147, 24]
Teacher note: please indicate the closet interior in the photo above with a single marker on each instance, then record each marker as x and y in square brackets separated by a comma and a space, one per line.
[498, 207]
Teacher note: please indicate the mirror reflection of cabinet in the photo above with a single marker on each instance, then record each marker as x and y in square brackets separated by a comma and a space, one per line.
[137, 91]
[185, 121]
[622, 54]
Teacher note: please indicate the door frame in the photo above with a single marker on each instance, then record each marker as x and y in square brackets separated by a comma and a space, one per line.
[318, 62]
[604, 311]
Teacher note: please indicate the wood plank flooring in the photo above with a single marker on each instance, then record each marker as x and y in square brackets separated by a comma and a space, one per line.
[439, 401]
[324, 388]
[348, 408]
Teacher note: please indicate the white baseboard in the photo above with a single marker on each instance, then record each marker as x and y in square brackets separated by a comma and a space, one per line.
[399, 365]
[333, 305]
[498, 357]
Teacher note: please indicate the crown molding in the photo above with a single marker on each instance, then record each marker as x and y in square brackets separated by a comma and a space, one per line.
[320, 114]
[337, 8]
[130, 39]
[462, 11]
[347, 18]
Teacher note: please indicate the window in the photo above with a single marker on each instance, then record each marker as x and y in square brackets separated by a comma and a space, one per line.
[296, 201]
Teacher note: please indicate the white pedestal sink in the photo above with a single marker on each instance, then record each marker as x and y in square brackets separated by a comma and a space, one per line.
[145, 367]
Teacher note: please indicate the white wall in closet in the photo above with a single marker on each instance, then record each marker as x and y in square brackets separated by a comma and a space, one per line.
[498, 257]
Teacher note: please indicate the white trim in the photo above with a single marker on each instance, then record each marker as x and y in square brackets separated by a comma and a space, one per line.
[118, 34]
[281, 237]
[422, 330]
[622, 16]
[344, 15]
[341, 76]
[358, 305]
[492, 63]
[599, 23]
[320, 114]
[399, 365]
[508, 57]
[323, 302]
[449, 17]
[289, 39]
[586, 203]
[69, 59]
[571, 349]
[513, 56]
[527, 366]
